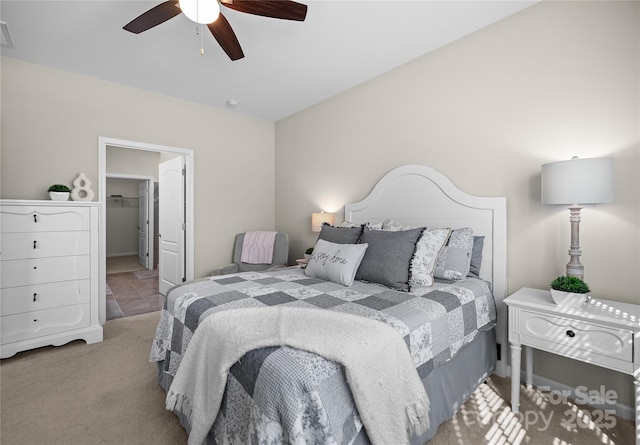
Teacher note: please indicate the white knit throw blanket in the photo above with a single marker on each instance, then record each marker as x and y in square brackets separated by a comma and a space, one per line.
[386, 388]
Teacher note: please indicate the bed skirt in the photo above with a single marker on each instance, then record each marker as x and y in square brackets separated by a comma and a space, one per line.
[448, 386]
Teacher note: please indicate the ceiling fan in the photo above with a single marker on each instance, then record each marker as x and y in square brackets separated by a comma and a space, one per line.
[207, 12]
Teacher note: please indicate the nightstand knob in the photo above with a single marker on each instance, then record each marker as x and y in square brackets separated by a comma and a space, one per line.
[571, 334]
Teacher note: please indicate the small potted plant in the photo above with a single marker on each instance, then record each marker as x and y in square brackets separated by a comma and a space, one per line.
[307, 253]
[59, 192]
[569, 291]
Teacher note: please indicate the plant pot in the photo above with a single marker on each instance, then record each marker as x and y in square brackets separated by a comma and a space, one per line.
[307, 256]
[568, 299]
[59, 196]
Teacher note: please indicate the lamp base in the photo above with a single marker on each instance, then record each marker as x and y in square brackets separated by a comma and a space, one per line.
[574, 267]
[575, 270]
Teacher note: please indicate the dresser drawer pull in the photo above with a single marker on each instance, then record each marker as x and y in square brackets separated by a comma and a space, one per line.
[571, 334]
[35, 296]
[34, 243]
[35, 218]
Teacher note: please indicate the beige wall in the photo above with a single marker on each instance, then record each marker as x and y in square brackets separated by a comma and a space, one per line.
[124, 161]
[122, 216]
[556, 80]
[51, 121]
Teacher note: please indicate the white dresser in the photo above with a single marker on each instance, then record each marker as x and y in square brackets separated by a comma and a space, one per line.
[48, 274]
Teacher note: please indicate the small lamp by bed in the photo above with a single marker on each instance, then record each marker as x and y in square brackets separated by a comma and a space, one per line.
[574, 183]
[317, 219]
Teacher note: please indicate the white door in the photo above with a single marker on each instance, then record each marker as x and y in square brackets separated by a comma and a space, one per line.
[171, 221]
[143, 224]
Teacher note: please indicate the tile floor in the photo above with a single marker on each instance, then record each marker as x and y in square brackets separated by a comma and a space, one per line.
[133, 293]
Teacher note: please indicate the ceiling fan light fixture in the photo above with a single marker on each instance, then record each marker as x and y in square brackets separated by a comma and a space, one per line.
[200, 11]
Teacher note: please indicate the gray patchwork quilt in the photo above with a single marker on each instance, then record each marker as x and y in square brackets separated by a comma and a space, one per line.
[285, 395]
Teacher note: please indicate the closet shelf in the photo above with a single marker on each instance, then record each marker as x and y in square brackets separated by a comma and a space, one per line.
[122, 201]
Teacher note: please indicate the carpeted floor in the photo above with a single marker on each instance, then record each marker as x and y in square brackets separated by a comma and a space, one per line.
[106, 393]
[79, 394]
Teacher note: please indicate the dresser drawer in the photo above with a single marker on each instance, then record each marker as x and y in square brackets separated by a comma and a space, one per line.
[44, 270]
[46, 322]
[16, 300]
[574, 338]
[17, 246]
[43, 219]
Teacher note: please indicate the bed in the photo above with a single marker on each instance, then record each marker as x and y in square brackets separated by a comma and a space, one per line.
[452, 331]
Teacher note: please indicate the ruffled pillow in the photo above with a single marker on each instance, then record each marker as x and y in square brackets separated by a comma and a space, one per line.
[427, 249]
[424, 258]
[388, 257]
[454, 261]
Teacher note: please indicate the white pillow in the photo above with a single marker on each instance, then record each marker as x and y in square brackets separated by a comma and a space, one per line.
[335, 262]
[393, 226]
[423, 263]
[374, 226]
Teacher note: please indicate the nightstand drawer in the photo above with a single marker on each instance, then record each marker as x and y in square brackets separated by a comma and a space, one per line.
[575, 338]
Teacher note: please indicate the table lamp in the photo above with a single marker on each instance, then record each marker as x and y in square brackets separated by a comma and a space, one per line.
[574, 183]
[317, 219]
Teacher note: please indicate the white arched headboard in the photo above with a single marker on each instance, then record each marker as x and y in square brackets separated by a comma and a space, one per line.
[418, 195]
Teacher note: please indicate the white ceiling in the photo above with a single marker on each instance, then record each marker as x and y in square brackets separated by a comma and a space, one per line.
[288, 66]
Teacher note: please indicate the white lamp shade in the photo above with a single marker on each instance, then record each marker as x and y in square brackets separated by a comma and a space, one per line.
[317, 219]
[578, 181]
[200, 11]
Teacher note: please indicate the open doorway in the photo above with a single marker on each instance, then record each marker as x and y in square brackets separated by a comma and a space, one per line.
[140, 163]
[131, 223]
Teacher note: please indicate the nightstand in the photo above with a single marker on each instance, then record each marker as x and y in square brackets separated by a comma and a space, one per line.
[601, 332]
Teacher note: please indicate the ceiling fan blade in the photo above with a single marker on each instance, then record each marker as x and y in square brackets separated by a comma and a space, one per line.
[153, 17]
[277, 9]
[223, 33]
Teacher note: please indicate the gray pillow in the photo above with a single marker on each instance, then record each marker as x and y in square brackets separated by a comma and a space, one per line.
[340, 235]
[454, 260]
[476, 256]
[388, 256]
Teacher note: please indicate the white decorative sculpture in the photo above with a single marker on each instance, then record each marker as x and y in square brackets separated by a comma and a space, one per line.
[82, 189]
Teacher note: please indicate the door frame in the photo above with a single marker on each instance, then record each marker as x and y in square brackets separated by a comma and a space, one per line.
[150, 206]
[189, 259]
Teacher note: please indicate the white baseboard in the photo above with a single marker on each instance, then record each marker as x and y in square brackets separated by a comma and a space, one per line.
[110, 255]
[624, 411]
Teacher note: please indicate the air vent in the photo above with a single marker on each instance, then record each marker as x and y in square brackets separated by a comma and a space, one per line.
[7, 40]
